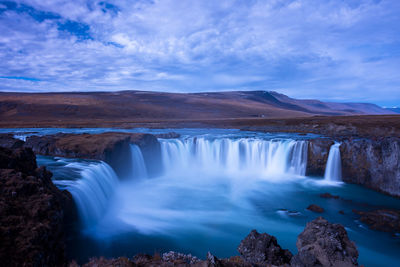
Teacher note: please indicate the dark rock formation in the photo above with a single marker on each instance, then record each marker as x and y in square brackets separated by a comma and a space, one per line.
[8, 141]
[324, 244]
[31, 212]
[381, 220]
[169, 135]
[318, 152]
[263, 249]
[320, 244]
[328, 195]
[374, 163]
[315, 208]
[111, 147]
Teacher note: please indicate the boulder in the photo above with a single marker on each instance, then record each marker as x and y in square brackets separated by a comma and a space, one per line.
[315, 208]
[259, 248]
[31, 212]
[381, 220]
[324, 244]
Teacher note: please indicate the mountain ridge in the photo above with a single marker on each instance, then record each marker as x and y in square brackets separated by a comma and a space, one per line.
[148, 105]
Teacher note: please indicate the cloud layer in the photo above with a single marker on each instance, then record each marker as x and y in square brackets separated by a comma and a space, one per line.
[333, 50]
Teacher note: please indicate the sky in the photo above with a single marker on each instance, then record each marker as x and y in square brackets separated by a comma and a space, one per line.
[332, 50]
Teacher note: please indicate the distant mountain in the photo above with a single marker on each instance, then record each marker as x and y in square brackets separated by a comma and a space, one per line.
[146, 106]
[396, 110]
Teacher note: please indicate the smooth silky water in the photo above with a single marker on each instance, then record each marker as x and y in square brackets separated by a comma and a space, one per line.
[215, 188]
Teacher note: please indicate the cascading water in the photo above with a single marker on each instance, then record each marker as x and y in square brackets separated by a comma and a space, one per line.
[138, 164]
[92, 191]
[268, 157]
[333, 171]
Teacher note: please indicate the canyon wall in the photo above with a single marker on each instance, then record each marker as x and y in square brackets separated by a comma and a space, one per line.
[370, 162]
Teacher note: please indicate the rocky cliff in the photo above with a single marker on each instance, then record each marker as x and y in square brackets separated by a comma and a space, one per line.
[32, 212]
[370, 162]
[111, 147]
[374, 163]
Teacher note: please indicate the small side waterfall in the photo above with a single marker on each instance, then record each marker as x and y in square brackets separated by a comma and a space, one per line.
[333, 171]
[274, 157]
[138, 165]
[93, 191]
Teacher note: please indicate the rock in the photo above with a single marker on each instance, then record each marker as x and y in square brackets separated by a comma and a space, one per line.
[169, 135]
[31, 212]
[8, 141]
[111, 147]
[263, 249]
[381, 220]
[21, 160]
[328, 195]
[176, 257]
[103, 262]
[318, 151]
[373, 163]
[324, 244]
[213, 261]
[315, 208]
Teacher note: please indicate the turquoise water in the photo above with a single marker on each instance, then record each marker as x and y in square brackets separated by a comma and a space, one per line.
[196, 210]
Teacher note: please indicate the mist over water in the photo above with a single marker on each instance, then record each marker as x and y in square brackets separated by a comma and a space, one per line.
[213, 190]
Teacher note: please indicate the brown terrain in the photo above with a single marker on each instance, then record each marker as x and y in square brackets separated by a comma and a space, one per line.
[158, 109]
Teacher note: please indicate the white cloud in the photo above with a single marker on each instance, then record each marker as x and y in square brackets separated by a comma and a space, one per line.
[306, 47]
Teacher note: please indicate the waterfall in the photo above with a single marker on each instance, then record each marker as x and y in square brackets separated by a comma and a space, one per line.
[333, 171]
[138, 165]
[93, 191]
[268, 157]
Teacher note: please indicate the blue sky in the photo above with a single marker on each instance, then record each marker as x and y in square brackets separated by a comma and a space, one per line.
[333, 50]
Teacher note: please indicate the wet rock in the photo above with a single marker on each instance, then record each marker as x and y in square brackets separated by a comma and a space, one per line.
[8, 141]
[318, 152]
[31, 212]
[381, 220]
[328, 195]
[324, 244]
[315, 208]
[373, 163]
[169, 135]
[259, 248]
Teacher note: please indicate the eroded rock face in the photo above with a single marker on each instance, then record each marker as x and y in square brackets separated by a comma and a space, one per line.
[374, 163]
[318, 152]
[31, 212]
[324, 244]
[111, 147]
[259, 248]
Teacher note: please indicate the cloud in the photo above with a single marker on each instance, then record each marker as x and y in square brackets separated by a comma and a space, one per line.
[331, 50]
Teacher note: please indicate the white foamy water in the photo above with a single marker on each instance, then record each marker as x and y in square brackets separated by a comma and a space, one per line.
[333, 171]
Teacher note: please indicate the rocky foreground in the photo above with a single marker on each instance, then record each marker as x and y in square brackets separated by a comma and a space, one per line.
[33, 212]
[320, 244]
